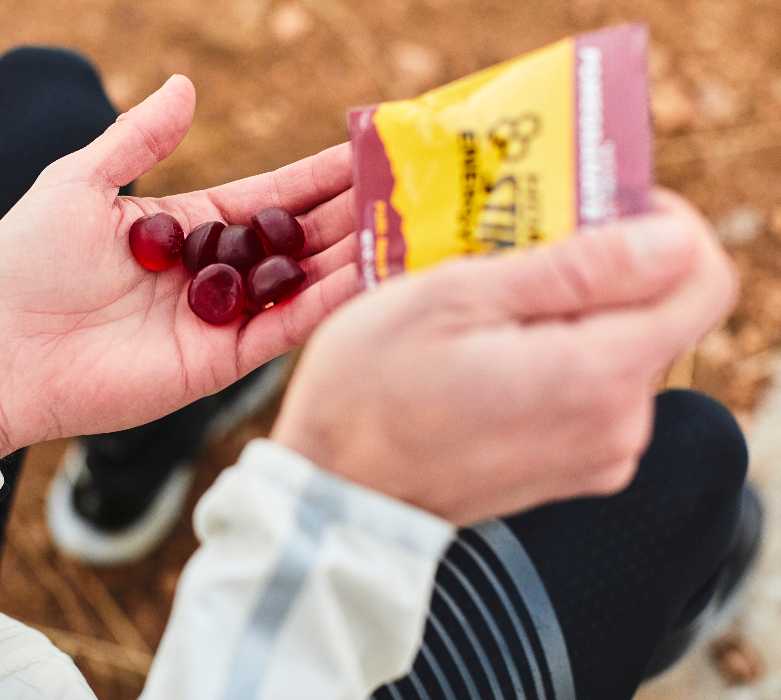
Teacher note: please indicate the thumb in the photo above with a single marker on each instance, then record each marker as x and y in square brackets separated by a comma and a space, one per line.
[140, 138]
[625, 263]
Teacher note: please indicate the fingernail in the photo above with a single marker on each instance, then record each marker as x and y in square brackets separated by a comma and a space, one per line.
[656, 238]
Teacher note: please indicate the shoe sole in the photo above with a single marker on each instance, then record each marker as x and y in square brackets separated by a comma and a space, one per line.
[80, 540]
[76, 538]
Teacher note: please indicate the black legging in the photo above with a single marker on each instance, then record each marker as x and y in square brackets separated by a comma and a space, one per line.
[570, 600]
[580, 594]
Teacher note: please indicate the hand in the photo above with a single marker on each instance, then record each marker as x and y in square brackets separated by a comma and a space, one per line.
[492, 385]
[91, 342]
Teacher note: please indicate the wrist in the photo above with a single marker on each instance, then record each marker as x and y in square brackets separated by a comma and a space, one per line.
[346, 452]
[7, 445]
[9, 376]
[17, 428]
[314, 445]
[26, 405]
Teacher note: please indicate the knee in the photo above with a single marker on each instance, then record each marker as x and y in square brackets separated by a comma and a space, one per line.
[53, 90]
[43, 64]
[54, 104]
[699, 442]
[702, 436]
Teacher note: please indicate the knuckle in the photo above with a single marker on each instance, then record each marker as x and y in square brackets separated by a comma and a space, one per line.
[630, 434]
[576, 274]
[613, 479]
[148, 140]
[609, 249]
[67, 168]
[717, 267]
[55, 170]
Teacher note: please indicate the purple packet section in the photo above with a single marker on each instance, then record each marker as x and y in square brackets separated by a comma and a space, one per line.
[373, 183]
[613, 117]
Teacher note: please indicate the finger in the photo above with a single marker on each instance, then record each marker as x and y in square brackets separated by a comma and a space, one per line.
[142, 137]
[654, 336]
[337, 256]
[324, 225]
[297, 187]
[667, 201]
[629, 262]
[288, 325]
[328, 223]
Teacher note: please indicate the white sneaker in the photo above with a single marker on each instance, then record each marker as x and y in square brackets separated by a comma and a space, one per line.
[151, 521]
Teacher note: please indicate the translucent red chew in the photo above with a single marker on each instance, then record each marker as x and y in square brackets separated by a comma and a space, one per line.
[200, 247]
[280, 232]
[272, 280]
[216, 294]
[156, 241]
[239, 247]
[231, 273]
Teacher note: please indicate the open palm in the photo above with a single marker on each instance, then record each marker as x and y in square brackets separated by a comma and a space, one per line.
[91, 341]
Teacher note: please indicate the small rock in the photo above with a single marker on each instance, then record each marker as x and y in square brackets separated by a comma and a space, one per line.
[674, 110]
[740, 226]
[290, 22]
[718, 104]
[419, 65]
[739, 663]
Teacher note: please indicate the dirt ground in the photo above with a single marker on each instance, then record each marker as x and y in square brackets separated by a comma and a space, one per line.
[274, 81]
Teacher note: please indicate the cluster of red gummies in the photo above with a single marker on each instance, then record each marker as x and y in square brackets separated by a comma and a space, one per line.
[235, 268]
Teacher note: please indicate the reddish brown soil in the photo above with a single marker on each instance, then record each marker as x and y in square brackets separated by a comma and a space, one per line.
[274, 80]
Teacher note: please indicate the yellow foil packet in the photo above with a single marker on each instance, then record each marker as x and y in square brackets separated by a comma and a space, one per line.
[523, 153]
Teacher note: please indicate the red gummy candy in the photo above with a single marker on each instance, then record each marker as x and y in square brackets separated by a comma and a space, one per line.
[280, 232]
[156, 241]
[200, 247]
[216, 294]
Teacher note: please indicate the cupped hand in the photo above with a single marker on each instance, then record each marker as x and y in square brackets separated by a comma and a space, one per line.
[89, 341]
[488, 386]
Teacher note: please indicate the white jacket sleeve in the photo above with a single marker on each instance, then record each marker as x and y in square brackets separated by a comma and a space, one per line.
[305, 587]
[32, 668]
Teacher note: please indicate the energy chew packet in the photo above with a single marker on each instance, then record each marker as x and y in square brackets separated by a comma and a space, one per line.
[523, 153]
